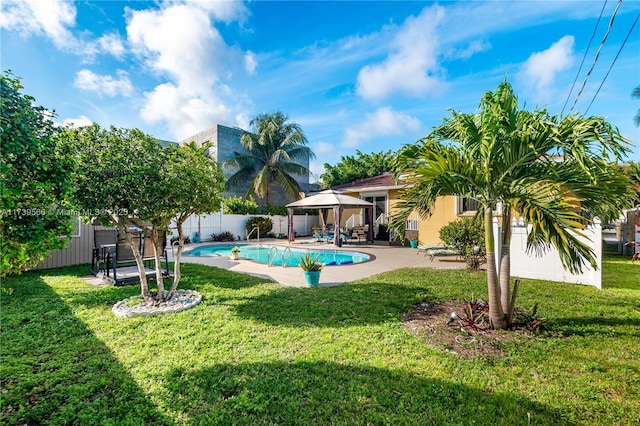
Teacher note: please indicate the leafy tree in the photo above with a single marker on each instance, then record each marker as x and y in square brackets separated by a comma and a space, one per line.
[274, 147]
[35, 171]
[632, 169]
[119, 180]
[239, 205]
[193, 184]
[128, 178]
[554, 172]
[362, 166]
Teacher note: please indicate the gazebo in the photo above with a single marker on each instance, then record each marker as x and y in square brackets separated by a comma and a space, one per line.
[335, 200]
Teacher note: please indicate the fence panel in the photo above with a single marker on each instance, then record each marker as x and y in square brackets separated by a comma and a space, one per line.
[216, 223]
[548, 266]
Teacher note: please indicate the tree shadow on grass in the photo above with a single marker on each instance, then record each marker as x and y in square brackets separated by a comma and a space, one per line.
[54, 369]
[341, 306]
[596, 326]
[329, 393]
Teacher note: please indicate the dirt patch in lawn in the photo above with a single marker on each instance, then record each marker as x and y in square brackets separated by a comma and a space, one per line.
[434, 323]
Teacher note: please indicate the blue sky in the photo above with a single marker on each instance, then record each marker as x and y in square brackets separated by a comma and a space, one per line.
[360, 75]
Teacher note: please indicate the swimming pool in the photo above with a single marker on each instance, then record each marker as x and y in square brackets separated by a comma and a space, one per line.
[263, 252]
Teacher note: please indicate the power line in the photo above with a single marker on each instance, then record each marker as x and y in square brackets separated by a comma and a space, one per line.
[614, 61]
[584, 57]
[595, 59]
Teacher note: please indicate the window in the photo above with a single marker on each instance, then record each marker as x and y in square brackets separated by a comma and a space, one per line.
[466, 206]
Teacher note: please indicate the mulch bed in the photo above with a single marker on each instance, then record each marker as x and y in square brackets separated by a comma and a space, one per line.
[429, 321]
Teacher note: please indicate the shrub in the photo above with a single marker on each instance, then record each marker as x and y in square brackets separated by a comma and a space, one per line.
[223, 237]
[264, 224]
[467, 235]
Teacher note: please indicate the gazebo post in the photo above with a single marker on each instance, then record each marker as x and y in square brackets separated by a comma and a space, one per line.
[290, 231]
[337, 213]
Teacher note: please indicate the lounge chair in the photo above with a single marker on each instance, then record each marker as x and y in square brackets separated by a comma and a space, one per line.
[426, 248]
[443, 252]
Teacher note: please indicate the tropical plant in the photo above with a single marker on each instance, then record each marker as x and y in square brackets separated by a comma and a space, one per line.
[351, 168]
[310, 263]
[35, 175]
[555, 172]
[275, 150]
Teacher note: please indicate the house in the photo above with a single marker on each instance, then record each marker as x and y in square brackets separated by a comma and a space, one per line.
[225, 144]
[385, 193]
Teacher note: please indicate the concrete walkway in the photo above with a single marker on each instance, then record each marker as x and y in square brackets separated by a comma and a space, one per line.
[387, 258]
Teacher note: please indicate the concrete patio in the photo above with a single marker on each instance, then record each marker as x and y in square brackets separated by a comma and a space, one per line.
[387, 258]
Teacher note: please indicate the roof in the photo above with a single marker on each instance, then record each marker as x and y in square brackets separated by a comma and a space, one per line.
[384, 181]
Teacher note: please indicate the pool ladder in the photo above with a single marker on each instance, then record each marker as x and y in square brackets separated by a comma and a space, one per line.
[271, 259]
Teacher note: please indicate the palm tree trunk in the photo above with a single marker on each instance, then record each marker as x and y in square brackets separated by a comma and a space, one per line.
[496, 314]
[505, 263]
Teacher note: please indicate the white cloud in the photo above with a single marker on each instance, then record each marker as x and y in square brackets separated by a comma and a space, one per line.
[185, 113]
[104, 84]
[323, 148]
[383, 122]
[224, 11]
[81, 121]
[470, 50]
[541, 68]
[112, 44]
[250, 62]
[51, 18]
[412, 67]
[180, 41]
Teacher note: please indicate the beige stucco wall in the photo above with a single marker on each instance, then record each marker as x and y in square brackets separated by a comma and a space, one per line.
[443, 213]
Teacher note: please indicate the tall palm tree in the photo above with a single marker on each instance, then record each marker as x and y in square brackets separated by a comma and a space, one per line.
[274, 147]
[553, 172]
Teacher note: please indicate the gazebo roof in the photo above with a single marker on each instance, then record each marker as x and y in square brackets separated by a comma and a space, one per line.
[329, 198]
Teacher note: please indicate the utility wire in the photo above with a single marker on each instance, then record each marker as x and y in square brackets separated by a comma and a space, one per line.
[614, 61]
[583, 58]
[595, 59]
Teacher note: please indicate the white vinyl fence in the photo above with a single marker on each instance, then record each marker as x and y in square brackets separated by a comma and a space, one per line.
[548, 265]
[80, 247]
[216, 223]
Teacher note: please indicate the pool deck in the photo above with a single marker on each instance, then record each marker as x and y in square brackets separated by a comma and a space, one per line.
[387, 258]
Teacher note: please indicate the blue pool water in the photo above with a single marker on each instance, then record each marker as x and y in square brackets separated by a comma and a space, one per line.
[260, 254]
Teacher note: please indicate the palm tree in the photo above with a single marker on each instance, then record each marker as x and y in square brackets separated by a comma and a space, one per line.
[553, 172]
[273, 146]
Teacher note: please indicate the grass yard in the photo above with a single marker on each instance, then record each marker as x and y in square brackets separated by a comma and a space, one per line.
[256, 353]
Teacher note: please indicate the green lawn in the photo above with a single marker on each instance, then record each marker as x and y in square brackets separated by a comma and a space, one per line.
[256, 353]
